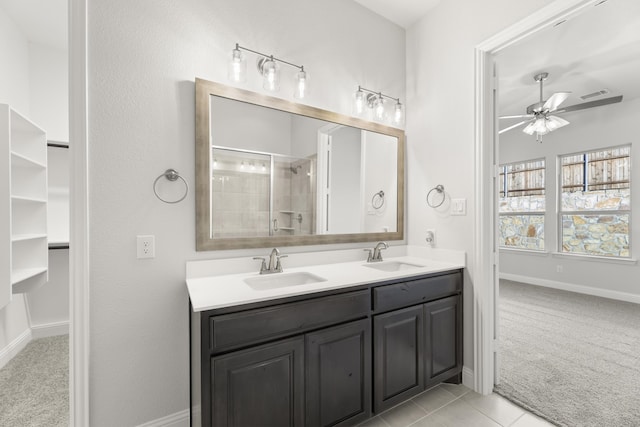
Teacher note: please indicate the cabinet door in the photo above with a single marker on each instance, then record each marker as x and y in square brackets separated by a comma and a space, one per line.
[261, 386]
[338, 374]
[443, 339]
[398, 356]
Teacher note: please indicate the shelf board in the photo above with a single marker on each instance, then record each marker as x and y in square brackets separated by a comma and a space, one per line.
[286, 228]
[22, 274]
[28, 199]
[24, 161]
[23, 237]
[287, 212]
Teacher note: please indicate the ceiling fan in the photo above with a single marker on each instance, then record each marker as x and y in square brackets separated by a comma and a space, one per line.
[539, 118]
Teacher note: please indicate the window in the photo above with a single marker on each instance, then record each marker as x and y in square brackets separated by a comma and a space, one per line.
[595, 202]
[522, 205]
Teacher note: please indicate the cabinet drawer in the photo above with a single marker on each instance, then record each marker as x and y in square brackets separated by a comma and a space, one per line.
[259, 325]
[416, 291]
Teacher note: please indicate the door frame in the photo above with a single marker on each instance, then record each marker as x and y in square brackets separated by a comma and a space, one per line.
[485, 258]
[79, 216]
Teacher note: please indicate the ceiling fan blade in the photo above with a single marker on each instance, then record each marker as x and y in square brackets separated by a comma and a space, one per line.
[590, 104]
[513, 126]
[556, 99]
[521, 116]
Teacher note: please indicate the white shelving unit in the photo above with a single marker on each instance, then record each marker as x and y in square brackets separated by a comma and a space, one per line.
[23, 217]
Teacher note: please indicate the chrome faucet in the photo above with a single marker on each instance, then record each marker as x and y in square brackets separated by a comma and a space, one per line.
[375, 255]
[274, 262]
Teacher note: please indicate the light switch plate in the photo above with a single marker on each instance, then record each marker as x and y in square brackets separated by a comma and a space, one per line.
[458, 206]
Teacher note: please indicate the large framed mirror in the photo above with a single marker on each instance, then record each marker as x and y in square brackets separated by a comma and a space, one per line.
[270, 173]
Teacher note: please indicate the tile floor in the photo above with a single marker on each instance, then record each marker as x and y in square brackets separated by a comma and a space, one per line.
[450, 405]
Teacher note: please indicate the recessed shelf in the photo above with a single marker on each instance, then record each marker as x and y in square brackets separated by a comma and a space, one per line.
[23, 161]
[23, 148]
[28, 199]
[23, 237]
[22, 274]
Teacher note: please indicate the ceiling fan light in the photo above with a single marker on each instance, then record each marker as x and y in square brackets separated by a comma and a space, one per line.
[554, 122]
[529, 129]
[540, 126]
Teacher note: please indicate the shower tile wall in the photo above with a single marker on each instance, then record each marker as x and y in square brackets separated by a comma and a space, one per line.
[294, 197]
[240, 204]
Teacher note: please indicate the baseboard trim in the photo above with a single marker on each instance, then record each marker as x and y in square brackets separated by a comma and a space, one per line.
[178, 419]
[588, 290]
[468, 378]
[15, 347]
[50, 329]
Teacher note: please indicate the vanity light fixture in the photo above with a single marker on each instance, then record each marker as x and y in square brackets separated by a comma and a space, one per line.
[375, 101]
[269, 68]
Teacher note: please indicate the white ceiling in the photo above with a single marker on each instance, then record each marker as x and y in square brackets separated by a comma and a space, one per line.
[402, 12]
[41, 21]
[598, 49]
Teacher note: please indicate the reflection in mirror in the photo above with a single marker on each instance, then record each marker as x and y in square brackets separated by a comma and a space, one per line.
[274, 173]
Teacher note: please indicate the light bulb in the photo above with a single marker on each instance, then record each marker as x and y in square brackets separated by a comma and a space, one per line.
[358, 102]
[241, 165]
[264, 168]
[398, 114]
[379, 108]
[215, 163]
[270, 75]
[301, 84]
[237, 71]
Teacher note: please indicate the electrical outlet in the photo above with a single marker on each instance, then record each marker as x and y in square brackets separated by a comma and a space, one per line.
[146, 247]
[430, 237]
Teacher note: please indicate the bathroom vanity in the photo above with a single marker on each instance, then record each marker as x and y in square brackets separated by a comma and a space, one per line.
[334, 345]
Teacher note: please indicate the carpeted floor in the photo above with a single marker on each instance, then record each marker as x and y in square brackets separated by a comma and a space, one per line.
[573, 359]
[34, 385]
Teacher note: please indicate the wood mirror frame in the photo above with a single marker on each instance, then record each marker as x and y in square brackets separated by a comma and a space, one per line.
[203, 91]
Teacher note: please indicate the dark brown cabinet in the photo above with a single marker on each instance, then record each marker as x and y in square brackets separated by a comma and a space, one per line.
[443, 339]
[398, 354]
[329, 359]
[262, 386]
[338, 379]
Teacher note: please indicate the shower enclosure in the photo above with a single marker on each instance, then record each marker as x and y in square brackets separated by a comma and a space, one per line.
[258, 194]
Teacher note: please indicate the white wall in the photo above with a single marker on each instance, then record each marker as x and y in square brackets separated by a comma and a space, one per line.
[345, 209]
[440, 120]
[588, 130]
[379, 160]
[143, 59]
[14, 72]
[49, 90]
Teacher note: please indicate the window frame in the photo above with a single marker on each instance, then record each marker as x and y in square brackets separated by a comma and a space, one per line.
[503, 184]
[560, 212]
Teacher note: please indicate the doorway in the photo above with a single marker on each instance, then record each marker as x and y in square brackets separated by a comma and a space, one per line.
[486, 257]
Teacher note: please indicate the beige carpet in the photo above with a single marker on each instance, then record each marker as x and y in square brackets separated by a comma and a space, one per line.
[573, 359]
[34, 385]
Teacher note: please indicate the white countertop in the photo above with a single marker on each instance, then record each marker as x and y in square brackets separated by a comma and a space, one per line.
[220, 283]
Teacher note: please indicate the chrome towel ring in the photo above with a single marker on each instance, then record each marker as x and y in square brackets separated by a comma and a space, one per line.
[439, 193]
[377, 201]
[171, 175]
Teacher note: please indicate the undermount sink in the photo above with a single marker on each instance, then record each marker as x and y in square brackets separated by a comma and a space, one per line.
[393, 266]
[282, 280]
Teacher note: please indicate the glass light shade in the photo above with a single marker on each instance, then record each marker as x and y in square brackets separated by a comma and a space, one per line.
[237, 71]
[554, 122]
[270, 75]
[301, 84]
[359, 101]
[398, 114]
[378, 108]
